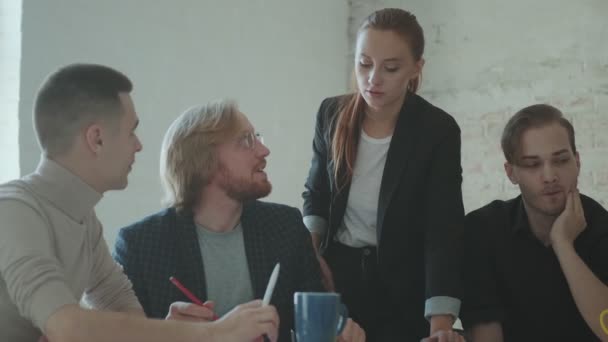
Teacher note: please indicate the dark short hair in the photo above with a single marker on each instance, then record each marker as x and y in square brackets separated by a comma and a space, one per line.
[72, 97]
[534, 116]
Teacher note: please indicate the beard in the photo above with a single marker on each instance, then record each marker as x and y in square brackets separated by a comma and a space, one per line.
[548, 208]
[242, 189]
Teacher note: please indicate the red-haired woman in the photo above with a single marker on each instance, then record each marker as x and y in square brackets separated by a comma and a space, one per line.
[383, 196]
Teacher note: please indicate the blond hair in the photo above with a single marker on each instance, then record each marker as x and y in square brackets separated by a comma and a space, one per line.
[188, 154]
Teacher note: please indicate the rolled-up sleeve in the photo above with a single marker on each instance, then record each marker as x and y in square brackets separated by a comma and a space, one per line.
[316, 224]
[442, 305]
[35, 282]
[110, 288]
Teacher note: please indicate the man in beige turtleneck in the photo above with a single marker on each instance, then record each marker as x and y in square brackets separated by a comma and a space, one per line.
[52, 251]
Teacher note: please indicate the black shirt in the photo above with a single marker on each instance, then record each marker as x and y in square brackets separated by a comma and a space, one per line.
[511, 277]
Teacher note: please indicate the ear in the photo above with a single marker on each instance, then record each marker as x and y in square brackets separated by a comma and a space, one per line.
[510, 173]
[94, 137]
[578, 161]
[419, 66]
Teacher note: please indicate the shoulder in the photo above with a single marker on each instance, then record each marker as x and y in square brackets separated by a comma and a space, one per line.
[595, 213]
[486, 217]
[334, 102]
[271, 210]
[16, 198]
[434, 116]
[147, 239]
[330, 107]
[14, 188]
[272, 216]
[150, 226]
[593, 205]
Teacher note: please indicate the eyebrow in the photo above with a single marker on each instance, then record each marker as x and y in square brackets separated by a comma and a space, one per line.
[393, 59]
[557, 153]
[565, 150]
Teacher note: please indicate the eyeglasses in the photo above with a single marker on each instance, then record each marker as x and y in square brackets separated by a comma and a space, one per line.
[249, 140]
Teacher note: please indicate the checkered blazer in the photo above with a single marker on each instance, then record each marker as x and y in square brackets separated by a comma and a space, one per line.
[165, 244]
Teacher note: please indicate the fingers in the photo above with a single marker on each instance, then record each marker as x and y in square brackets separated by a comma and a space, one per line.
[257, 312]
[578, 205]
[249, 321]
[570, 201]
[191, 312]
[270, 330]
[266, 319]
[209, 304]
[577, 209]
[265, 314]
[444, 336]
[352, 332]
[253, 304]
[260, 314]
[347, 333]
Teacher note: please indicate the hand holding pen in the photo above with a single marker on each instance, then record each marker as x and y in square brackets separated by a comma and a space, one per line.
[256, 318]
[196, 311]
[268, 293]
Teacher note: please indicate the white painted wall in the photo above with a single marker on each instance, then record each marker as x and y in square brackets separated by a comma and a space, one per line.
[10, 55]
[278, 58]
[487, 59]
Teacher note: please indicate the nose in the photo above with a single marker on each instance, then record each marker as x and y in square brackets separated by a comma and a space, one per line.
[549, 174]
[374, 77]
[138, 146]
[261, 149]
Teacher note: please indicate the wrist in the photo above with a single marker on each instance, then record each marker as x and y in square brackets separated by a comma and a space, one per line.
[560, 241]
[563, 247]
[441, 322]
[213, 331]
[316, 241]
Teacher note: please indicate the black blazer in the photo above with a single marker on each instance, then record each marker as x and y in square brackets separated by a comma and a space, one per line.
[165, 244]
[420, 210]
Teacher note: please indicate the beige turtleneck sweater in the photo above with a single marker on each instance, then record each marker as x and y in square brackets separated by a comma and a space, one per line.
[52, 252]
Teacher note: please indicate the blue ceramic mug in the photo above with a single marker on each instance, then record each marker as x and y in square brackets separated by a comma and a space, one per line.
[319, 316]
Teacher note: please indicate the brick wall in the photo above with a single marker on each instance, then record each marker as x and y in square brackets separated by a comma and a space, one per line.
[486, 59]
[10, 54]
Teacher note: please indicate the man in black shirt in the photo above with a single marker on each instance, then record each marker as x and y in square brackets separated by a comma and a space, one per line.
[536, 266]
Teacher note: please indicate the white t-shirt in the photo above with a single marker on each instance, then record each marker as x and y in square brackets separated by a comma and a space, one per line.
[358, 226]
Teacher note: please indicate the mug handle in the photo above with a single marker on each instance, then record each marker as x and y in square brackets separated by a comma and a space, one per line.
[293, 335]
[342, 319]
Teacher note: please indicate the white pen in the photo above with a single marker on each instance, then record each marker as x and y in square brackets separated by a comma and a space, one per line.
[271, 282]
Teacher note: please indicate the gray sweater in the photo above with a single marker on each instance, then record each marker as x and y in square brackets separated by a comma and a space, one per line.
[52, 252]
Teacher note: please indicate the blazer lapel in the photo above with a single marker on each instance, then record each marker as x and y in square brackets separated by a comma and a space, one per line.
[402, 143]
[259, 257]
[190, 261]
[337, 209]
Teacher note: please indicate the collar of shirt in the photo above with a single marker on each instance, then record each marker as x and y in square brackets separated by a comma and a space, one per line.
[63, 189]
[520, 223]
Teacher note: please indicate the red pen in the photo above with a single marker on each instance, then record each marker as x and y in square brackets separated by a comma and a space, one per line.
[189, 294]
